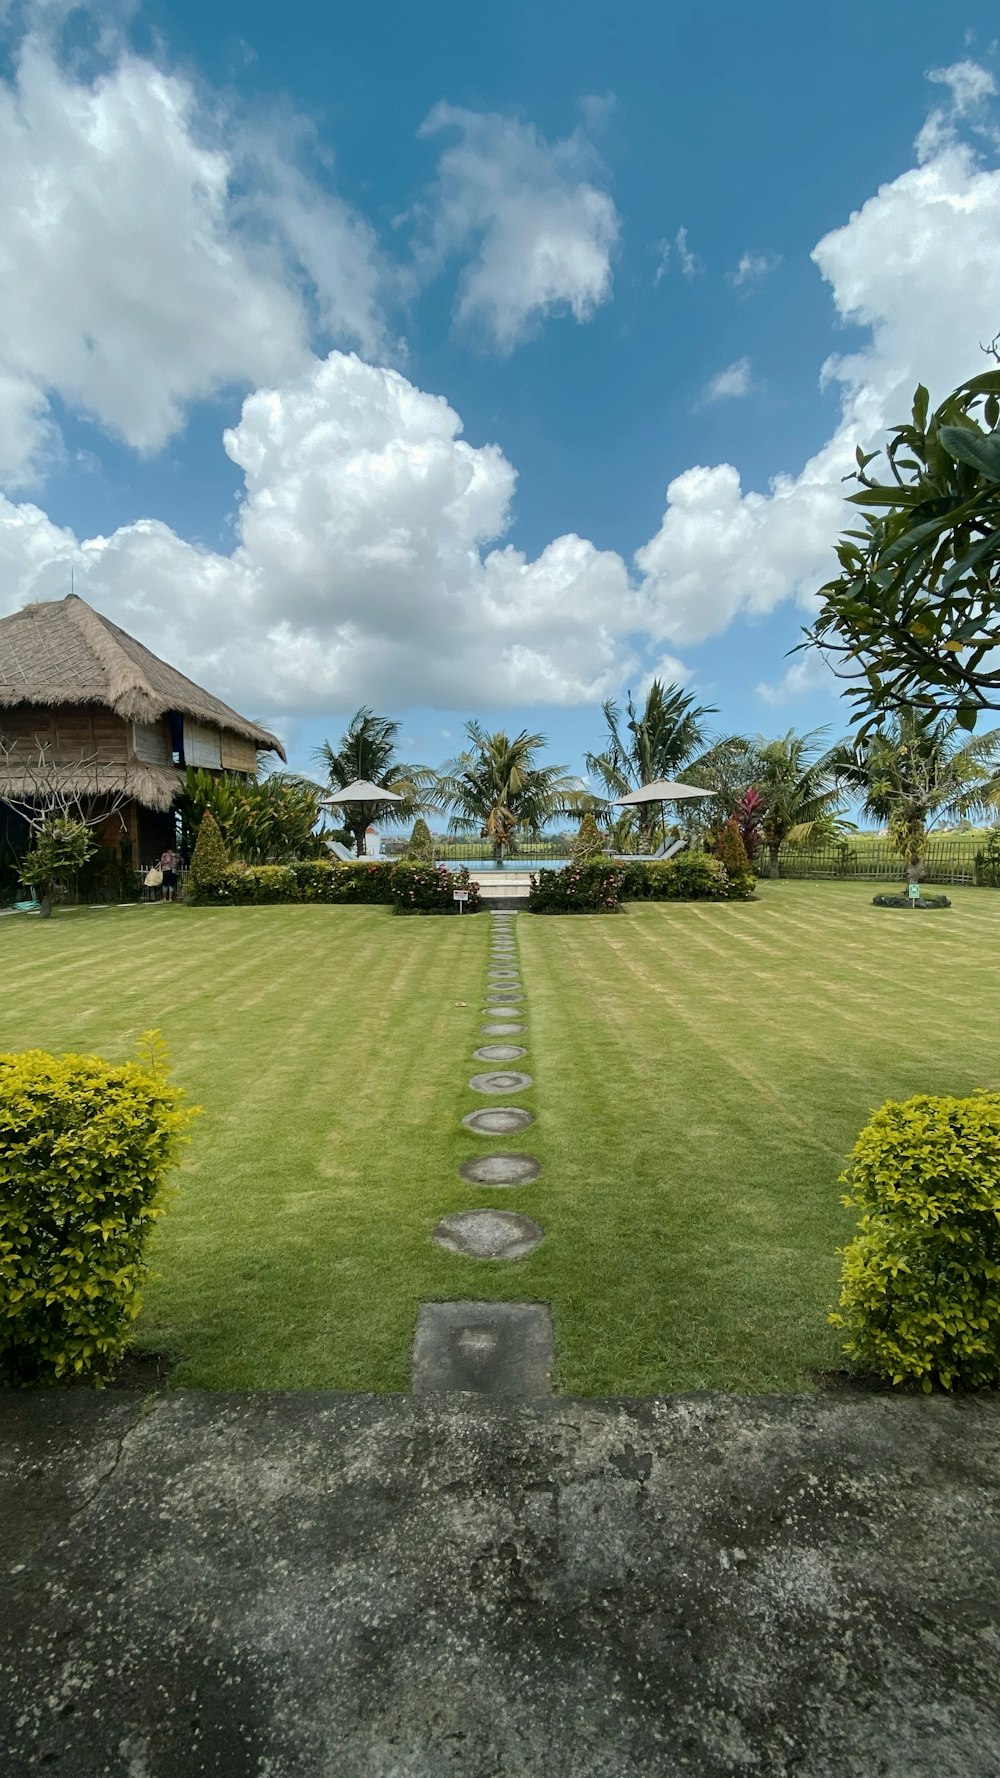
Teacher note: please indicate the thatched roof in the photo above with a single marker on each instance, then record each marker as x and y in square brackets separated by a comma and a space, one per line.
[64, 652]
[155, 787]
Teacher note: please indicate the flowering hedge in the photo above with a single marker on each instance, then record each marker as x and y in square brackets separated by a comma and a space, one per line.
[601, 886]
[429, 889]
[409, 888]
[593, 888]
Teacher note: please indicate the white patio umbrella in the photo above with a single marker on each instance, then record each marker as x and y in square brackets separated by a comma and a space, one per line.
[661, 790]
[361, 791]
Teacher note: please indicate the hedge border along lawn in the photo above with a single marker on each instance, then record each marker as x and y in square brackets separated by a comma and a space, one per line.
[701, 1073]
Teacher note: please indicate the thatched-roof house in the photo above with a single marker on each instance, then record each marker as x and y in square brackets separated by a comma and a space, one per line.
[109, 718]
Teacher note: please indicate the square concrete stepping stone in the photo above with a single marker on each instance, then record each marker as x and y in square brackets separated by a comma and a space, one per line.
[501, 1349]
[499, 1052]
[501, 1081]
[498, 1120]
[501, 1169]
[488, 1234]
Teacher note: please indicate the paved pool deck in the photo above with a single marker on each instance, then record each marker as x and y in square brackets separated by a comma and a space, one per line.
[349, 1586]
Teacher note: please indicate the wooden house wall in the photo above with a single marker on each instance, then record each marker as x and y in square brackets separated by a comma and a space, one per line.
[67, 732]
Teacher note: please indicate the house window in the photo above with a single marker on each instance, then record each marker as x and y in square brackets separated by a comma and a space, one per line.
[176, 738]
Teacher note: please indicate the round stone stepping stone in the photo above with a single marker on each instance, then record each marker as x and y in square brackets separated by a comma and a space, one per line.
[499, 1052]
[503, 975]
[503, 1011]
[500, 1030]
[499, 1120]
[500, 1169]
[488, 1234]
[500, 1081]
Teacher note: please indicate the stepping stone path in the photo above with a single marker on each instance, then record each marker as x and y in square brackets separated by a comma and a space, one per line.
[499, 1120]
[510, 1082]
[499, 1349]
[488, 1234]
[500, 1169]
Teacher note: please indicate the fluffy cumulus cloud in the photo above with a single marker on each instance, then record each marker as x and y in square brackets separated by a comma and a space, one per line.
[362, 566]
[370, 559]
[533, 215]
[918, 266]
[146, 260]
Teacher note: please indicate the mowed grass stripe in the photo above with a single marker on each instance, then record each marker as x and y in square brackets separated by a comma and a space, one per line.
[700, 1073]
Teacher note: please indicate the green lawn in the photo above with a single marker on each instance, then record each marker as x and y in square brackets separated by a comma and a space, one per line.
[700, 1072]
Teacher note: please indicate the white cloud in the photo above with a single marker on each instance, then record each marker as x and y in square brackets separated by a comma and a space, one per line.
[541, 228]
[362, 569]
[970, 87]
[807, 675]
[752, 267]
[926, 246]
[689, 262]
[729, 384]
[144, 263]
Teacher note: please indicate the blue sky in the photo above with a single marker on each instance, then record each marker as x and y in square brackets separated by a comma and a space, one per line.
[589, 231]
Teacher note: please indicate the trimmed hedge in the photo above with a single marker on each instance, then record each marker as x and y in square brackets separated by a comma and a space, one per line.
[920, 1287]
[429, 889]
[601, 886]
[690, 876]
[593, 888]
[84, 1149]
[408, 887]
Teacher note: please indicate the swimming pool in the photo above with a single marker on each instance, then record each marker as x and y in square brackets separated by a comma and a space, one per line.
[484, 866]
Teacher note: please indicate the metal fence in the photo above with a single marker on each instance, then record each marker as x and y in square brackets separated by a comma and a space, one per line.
[947, 861]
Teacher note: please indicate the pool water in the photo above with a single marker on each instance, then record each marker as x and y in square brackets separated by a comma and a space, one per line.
[483, 866]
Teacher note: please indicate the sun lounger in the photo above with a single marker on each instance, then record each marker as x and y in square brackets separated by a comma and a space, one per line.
[341, 852]
[666, 851]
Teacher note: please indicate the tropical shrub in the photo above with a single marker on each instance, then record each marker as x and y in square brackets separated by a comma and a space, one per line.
[420, 846]
[261, 883]
[267, 820]
[84, 1149]
[429, 889]
[210, 862]
[920, 1287]
[905, 901]
[593, 888]
[730, 850]
[988, 862]
[60, 849]
[589, 842]
[690, 876]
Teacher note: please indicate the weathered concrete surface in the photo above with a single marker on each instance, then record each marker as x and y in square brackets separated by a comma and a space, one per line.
[495, 1349]
[391, 1587]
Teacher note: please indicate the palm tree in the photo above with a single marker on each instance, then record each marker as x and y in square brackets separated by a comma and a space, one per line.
[799, 789]
[661, 740]
[496, 789]
[918, 769]
[368, 751]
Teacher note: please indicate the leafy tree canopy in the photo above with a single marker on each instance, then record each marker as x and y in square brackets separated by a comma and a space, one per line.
[497, 789]
[913, 618]
[367, 751]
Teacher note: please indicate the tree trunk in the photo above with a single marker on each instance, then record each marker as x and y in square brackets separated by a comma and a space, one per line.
[46, 901]
[773, 871]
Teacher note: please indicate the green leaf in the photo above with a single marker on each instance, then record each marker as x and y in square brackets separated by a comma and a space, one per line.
[921, 402]
[966, 715]
[980, 450]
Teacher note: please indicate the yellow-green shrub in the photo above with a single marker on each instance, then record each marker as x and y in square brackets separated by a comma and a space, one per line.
[920, 1288]
[84, 1148]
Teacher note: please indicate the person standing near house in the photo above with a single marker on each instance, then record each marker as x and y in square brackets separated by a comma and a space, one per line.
[170, 864]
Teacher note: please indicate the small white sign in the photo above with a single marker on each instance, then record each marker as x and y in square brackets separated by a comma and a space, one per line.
[460, 895]
[913, 891]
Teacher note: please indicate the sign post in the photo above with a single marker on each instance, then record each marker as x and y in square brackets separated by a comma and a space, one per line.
[913, 891]
[461, 896]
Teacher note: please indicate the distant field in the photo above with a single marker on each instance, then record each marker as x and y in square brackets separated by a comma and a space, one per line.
[700, 1072]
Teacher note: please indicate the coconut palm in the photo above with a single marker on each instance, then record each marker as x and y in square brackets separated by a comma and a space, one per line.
[662, 740]
[799, 788]
[367, 751]
[918, 769]
[496, 789]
